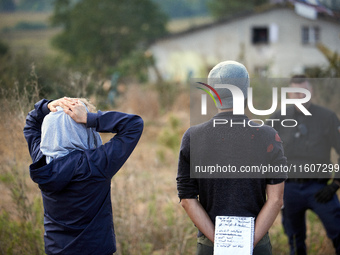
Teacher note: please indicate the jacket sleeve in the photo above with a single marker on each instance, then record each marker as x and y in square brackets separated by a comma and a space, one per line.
[276, 157]
[32, 129]
[110, 157]
[187, 187]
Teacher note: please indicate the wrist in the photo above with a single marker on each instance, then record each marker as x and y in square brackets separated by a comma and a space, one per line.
[46, 107]
[91, 121]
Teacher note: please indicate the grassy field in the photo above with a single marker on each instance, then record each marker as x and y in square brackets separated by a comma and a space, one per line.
[11, 19]
[35, 41]
[38, 41]
[147, 214]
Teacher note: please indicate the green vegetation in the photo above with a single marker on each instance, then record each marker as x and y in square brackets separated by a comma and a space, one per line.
[333, 69]
[173, 8]
[10, 20]
[98, 34]
[23, 25]
[170, 136]
[21, 211]
[330, 74]
[224, 9]
[148, 218]
[21, 232]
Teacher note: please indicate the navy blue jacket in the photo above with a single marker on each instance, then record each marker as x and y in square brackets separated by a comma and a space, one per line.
[76, 188]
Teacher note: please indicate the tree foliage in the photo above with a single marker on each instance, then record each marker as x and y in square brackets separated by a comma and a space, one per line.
[100, 33]
[330, 71]
[223, 9]
[333, 59]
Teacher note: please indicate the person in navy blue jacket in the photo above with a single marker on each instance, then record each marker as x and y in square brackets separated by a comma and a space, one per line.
[74, 172]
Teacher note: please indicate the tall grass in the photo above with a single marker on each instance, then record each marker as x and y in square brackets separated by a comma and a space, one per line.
[21, 213]
[146, 211]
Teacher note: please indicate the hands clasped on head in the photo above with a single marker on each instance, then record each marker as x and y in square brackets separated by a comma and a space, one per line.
[71, 106]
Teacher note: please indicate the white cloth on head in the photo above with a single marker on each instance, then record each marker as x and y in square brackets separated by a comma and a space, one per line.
[60, 135]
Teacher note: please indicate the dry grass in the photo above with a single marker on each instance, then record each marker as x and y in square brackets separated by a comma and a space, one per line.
[147, 215]
[35, 41]
[148, 218]
[38, 41]
[11, 19]
[140, 100]
[317, 241]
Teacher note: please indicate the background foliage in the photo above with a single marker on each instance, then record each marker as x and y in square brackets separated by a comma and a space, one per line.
[223, 9]
[147, 215]
[100, 33]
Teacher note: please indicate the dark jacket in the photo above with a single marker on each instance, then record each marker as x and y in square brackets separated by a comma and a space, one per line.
[311, 141]
[76, 188]
[238, 146]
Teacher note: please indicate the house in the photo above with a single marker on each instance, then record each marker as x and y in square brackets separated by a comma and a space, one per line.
[274, 42]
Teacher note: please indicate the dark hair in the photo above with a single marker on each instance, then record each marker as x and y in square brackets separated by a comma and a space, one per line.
[298, 78]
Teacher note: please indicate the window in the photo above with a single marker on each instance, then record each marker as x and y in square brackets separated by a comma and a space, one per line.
[310, 35]
[260, 35]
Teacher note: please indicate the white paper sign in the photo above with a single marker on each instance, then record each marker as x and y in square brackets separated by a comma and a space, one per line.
[234, 235]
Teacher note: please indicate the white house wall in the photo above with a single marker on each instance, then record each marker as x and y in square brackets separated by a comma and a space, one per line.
[195, 52]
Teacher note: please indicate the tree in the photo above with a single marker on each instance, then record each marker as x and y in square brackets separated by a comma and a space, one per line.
[333, 68]
[326, 88]
[223, 9]
[100, 33]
